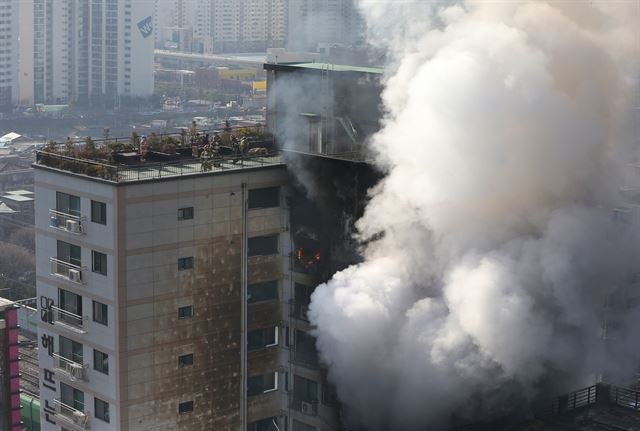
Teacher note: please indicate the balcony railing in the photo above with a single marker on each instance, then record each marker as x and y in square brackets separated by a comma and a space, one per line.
[69, 320]
[69, 417]
[67, 270]
[299, 310]
[304, 406]
[71, 369]
[66, 222]
[307, 359]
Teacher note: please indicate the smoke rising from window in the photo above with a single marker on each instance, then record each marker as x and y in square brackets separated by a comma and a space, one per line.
[496, 270]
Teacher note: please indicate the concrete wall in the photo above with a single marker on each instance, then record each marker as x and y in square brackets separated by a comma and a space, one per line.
[151, 290]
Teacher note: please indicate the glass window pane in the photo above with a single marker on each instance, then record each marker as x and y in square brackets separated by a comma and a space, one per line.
[264, 198]
[262, 245]
[266, 291]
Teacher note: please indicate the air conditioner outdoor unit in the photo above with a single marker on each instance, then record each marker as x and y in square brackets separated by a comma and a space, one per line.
[75, 275]
[306, 408]
[73, 226]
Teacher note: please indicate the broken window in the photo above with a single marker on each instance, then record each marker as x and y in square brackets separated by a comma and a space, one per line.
[268, 197]
[262, 245]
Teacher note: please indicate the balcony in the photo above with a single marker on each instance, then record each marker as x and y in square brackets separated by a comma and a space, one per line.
[68, 320]
[306, 407]
[72, 370]
[70, 418]
[299, 310]
[67, 270]
[67, 222]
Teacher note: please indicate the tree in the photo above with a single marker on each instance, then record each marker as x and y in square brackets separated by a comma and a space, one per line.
[24, 237]
[15, 260]
[17, 272]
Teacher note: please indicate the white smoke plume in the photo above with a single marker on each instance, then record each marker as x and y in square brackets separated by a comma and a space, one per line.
[495, 272]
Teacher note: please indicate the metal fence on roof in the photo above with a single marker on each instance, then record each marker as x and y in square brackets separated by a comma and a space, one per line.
[153, 171]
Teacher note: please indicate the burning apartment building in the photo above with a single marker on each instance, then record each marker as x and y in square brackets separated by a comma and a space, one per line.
[173, 290]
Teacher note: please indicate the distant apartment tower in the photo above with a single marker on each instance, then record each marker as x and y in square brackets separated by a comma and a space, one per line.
[222, 26]
[166, 301]
[91, 50]
[249, 25]
[317, 24]
[8, 53]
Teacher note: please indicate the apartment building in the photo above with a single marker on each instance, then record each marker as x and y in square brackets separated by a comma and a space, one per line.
[222, 26]
[8, 53]
[318, 24]
[82, 50]
[166, 295]
[9, 359]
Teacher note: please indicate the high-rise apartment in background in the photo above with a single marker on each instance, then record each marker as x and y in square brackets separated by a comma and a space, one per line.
[8, 53]
[222, 26]
[84, 50]
[320, 24]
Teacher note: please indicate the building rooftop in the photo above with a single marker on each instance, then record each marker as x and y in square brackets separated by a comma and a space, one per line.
[20, 192]
[118, 161]
[325, 67]
[17, 198]
[4, 209]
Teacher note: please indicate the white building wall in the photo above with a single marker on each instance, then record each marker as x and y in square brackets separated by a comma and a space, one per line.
[141, 76]
[96, 287]
[25, 56]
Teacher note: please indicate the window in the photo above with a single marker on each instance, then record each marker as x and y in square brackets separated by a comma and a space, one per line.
[305, 389]
[262, 384]
[302, 301]
[98, 212]
[70, 349]
[100, 313]
[99, 262]
[263, 424]
[261, 338]
[305, 349]
[72, 303]
[263, 245]
[69, 253]
[185, 407]
[100, 361]
[186, 311]
[185, 360]
[185, 213]
[329, 395]
[101, 409]
[264, 198]
[185, 263]
[266, 291]
[68, 204]
[71, 396]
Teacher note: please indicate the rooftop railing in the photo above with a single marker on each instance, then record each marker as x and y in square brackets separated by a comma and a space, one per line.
[152, 171]
[119, 160]
[597, 394]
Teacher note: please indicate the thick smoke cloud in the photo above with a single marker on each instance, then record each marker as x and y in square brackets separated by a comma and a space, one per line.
[496, 271]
